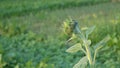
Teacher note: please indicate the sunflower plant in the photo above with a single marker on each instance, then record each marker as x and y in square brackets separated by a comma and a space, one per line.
[84, 45]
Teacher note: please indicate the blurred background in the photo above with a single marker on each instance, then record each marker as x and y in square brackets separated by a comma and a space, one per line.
[31, 33]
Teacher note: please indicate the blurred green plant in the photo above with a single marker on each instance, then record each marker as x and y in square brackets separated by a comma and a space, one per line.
[84, 44]
[22, 7]
[12, 29]
[2, 64]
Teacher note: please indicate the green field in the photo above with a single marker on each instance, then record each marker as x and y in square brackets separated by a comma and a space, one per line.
[31, 33]
[21, 7]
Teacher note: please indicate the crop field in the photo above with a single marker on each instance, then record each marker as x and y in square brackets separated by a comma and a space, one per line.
[32, 36]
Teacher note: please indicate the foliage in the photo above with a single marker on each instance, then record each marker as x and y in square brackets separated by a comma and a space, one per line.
[21, 7]
[32, 37]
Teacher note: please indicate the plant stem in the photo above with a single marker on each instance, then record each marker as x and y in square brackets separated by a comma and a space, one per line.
[88, 53]
[94, 56]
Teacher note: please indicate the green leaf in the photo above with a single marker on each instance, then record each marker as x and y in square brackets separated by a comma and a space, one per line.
[80, 33]
[74, 48]
[82, 63]
[88, 42]
[102, 43]
[17, 66]
[89, 31]
[73, 37]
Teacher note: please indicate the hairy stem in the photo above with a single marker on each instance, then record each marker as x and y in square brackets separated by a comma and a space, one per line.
[88, 53]
[94, 56]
